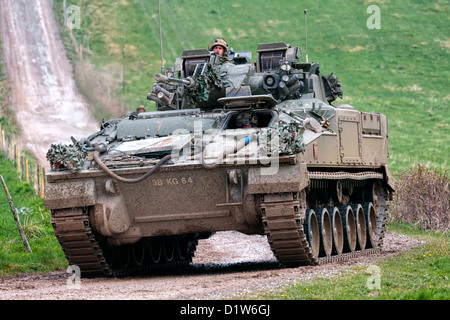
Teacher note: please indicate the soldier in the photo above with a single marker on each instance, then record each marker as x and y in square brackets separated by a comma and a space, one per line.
[246, 119]
[133, 114]
[220, 46]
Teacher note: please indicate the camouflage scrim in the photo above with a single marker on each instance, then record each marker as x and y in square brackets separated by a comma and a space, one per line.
[63, 156]
[205, 82]
[286, 139]
[291, 138]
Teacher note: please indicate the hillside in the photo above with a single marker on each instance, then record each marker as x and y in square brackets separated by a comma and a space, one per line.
[43, 96]
[400, 69]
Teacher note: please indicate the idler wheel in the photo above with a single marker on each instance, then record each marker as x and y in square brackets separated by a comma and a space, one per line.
[326, 235]
[361, 233]
[338, 232]
[349, 226]
[312, 232]
[371, 223]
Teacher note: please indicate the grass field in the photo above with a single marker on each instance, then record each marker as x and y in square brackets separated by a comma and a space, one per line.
[36, 222]
[400, 69]
[421, 273]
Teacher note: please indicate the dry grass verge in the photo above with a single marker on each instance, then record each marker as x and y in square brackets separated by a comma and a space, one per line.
[422, 198]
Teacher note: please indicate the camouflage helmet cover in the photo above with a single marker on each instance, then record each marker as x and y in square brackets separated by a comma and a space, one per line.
[218, 42]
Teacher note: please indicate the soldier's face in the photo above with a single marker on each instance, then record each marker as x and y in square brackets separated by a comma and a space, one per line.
[219, 50]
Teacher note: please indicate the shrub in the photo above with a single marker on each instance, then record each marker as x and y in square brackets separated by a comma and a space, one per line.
[422, 198]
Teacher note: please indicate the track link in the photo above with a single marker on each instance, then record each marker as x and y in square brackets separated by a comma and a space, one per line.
[284, 218]
[95, 257]
[73, 231]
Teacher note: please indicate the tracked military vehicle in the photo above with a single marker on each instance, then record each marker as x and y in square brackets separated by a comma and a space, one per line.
[256, 147]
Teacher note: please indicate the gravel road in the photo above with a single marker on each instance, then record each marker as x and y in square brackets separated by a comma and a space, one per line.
[227, 265]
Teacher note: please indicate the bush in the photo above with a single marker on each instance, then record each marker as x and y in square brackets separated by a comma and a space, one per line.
[422, 198]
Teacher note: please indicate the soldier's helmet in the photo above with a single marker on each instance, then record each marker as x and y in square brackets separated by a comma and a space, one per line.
[218, 42]
[246, 119]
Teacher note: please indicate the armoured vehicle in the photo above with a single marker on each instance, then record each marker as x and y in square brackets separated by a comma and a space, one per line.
[255, 147]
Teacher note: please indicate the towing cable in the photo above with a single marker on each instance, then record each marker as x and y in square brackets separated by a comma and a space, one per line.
[100, 148]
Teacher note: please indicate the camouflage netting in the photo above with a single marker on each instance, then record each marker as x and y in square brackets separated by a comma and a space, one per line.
[66, 156]
[204, 84]
[287, 139]
[291, 138]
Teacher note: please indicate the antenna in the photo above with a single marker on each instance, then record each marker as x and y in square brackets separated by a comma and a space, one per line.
[160, 40]
[306, 33]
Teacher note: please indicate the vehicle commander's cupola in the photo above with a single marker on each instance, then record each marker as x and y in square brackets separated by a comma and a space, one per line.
[189, 61]
[271, 54]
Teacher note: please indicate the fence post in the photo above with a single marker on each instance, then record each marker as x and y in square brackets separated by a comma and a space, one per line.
[36, 180]
[27, 172]
[42, 182]
[16, 217]
[19, 161]
[23, 165]
[11, 149]
[3, 140]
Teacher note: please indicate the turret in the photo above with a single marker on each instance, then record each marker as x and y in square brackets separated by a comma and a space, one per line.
[200, 80]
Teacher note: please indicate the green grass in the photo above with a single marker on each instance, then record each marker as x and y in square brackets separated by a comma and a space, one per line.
[46, 253]
[400, 70]
[422, 273]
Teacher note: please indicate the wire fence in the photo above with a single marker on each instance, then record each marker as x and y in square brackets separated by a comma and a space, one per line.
[34, 223]
[31, 225]
[14, 239]
[28, 168]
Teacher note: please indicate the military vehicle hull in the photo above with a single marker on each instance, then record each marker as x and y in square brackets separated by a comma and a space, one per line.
[306, 200]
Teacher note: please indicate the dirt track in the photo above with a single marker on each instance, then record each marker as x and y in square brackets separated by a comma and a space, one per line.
[45, 100]
[227, 265]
